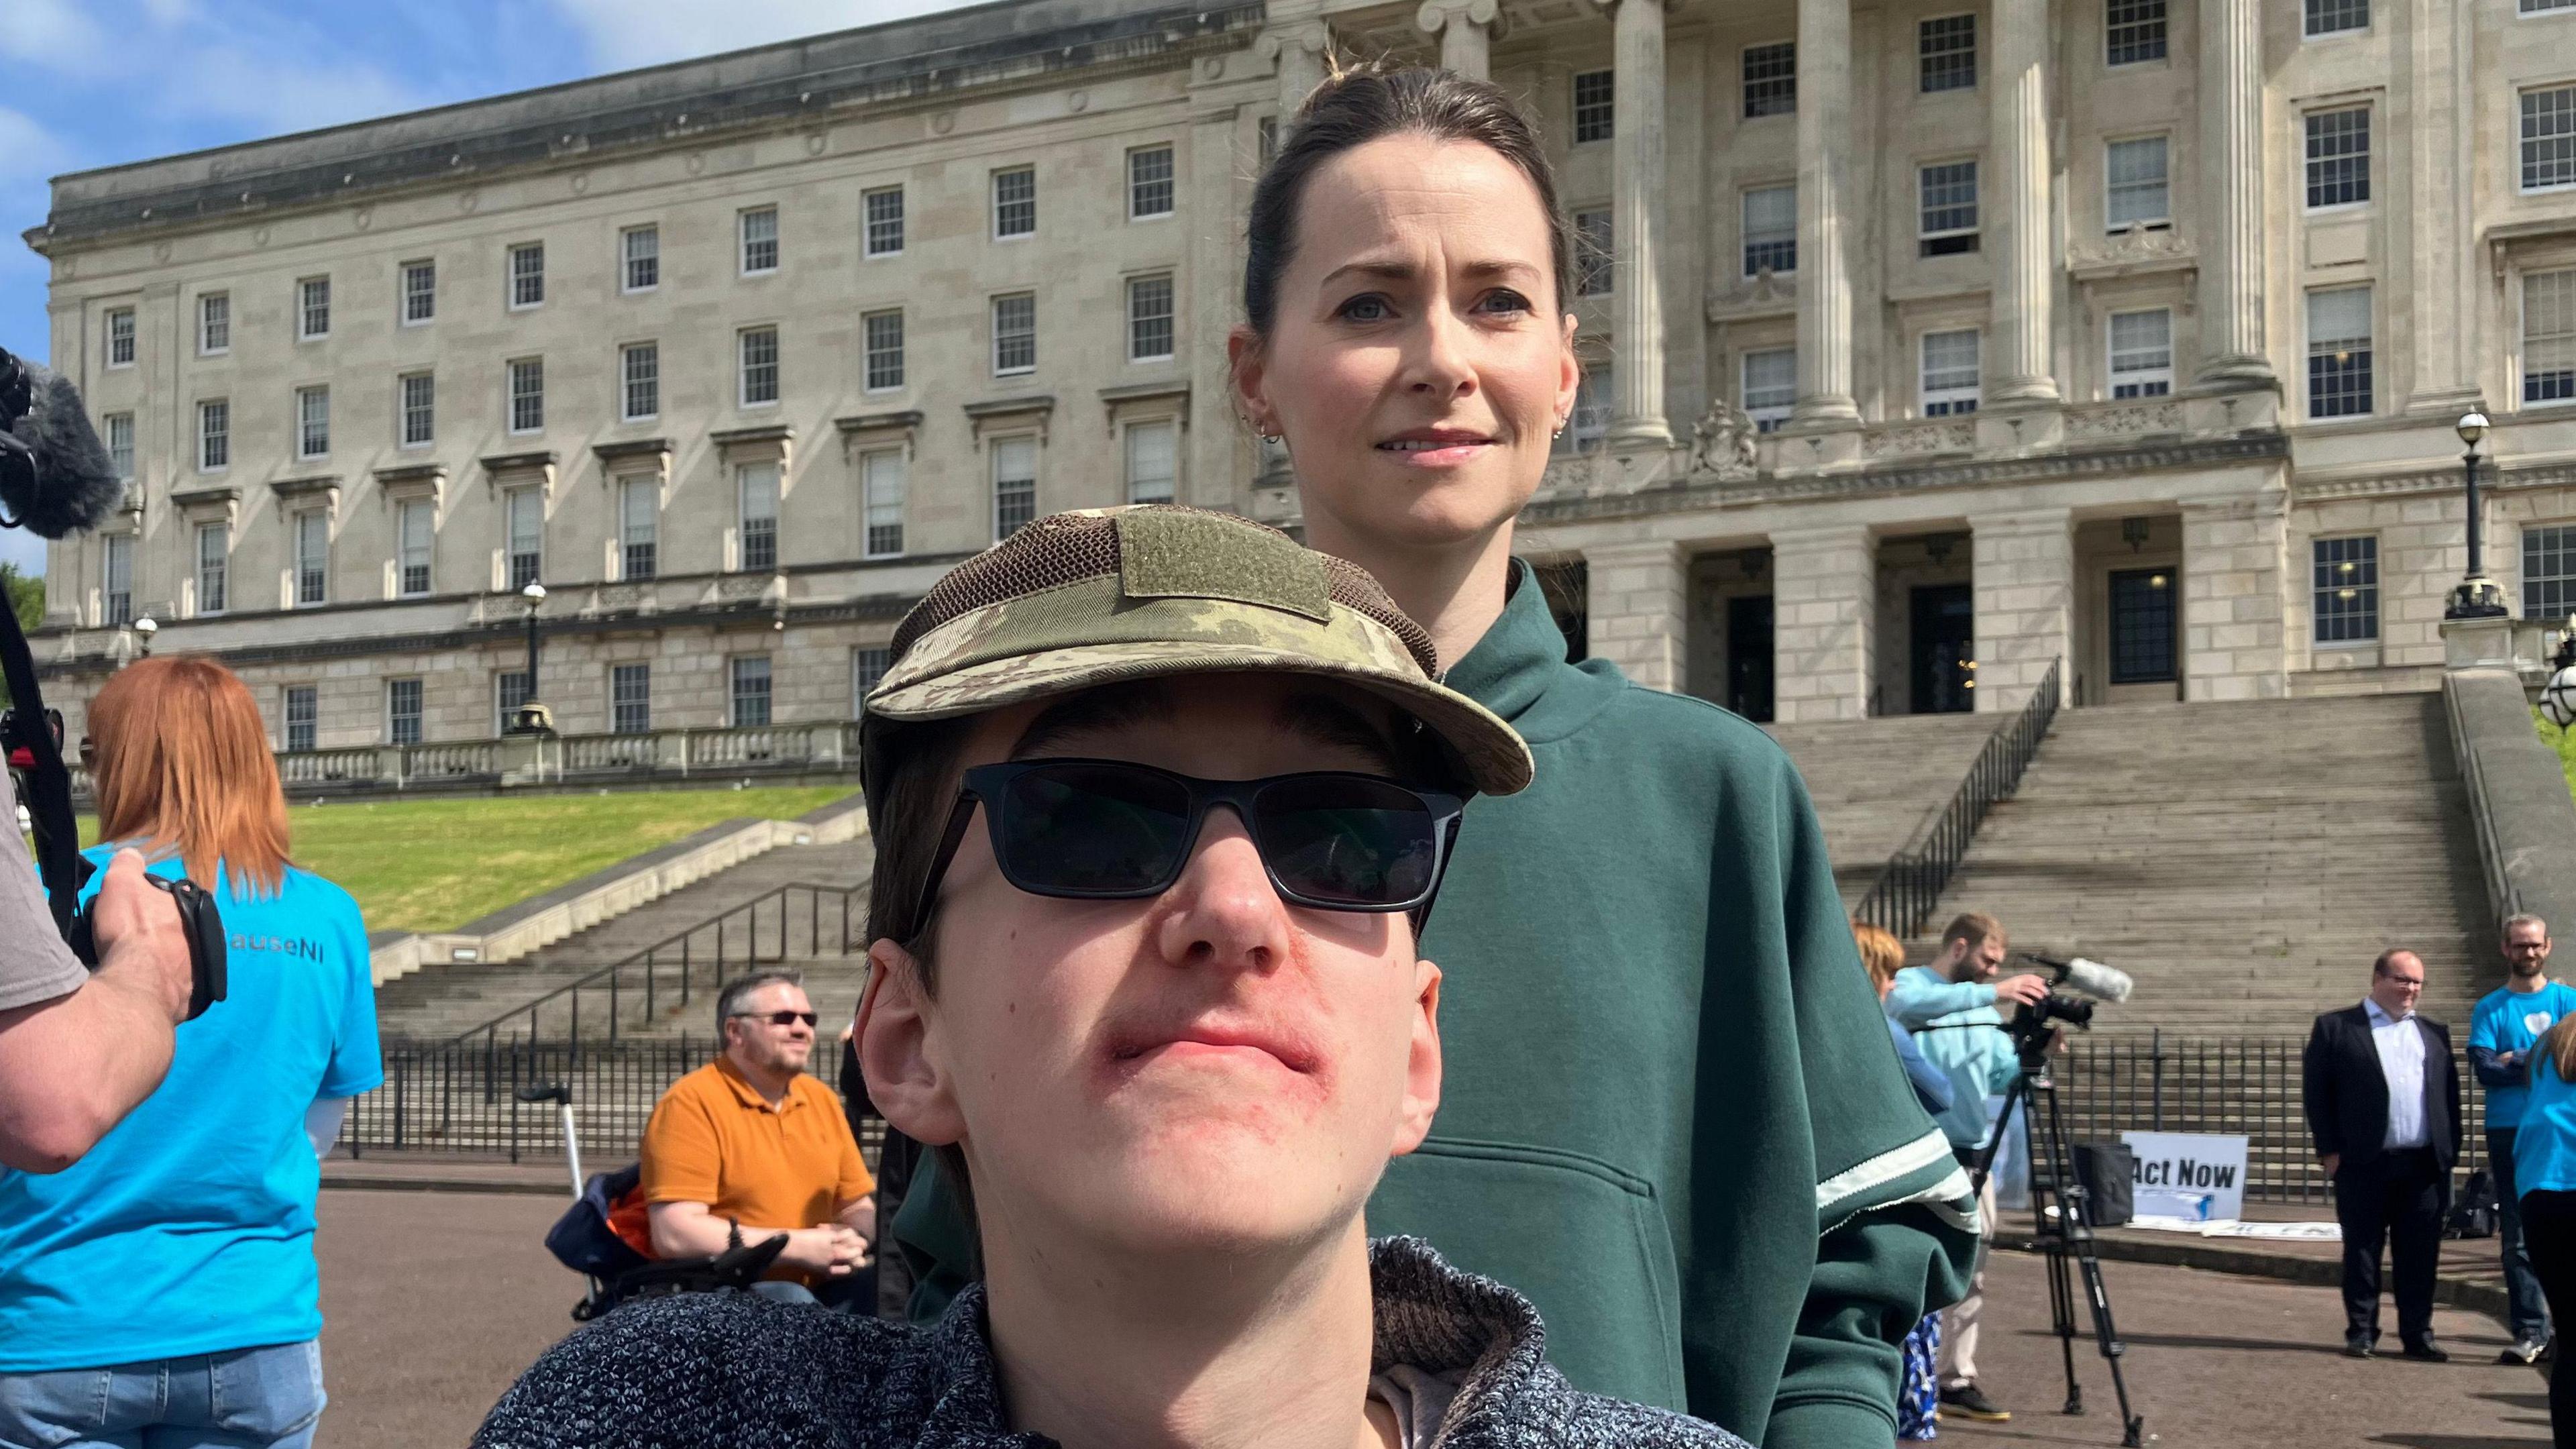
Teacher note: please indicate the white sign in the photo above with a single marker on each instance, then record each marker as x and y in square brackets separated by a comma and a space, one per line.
[2197, 1176]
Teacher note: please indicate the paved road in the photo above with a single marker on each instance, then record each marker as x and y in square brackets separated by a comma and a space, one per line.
[435, 1301]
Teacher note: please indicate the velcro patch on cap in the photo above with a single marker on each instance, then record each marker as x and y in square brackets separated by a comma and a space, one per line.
[1203, 556]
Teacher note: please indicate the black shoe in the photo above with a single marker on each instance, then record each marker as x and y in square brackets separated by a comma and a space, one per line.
[2425, 1350]
[2356, 1347]
[1972, 1403]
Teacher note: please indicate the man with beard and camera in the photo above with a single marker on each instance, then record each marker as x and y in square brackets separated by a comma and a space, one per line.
[1951, 1006]
[2503, 1032]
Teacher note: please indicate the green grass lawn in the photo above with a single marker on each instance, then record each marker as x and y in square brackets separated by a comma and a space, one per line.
[2563, 741]
[435, 864]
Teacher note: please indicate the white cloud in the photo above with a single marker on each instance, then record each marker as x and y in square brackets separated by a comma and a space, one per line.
[626, 33]
[275, 95]
[27, 150]
[55, 36]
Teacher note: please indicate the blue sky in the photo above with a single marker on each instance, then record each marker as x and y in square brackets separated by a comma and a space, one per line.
[101, 82]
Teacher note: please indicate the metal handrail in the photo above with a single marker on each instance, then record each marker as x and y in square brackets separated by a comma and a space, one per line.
[1909, 889]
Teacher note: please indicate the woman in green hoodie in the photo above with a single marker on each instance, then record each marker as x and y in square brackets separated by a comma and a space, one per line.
[1673, 1118]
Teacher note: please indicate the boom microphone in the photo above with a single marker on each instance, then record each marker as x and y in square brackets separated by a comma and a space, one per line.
[2087, 978]
[55, 475]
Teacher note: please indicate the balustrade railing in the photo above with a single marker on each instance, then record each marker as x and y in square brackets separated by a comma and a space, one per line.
[1905, 894]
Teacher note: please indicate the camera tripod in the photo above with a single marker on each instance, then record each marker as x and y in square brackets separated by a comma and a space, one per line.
[2065, 1236]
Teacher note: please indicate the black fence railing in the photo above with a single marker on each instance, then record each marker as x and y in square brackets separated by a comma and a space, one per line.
[1905, 894]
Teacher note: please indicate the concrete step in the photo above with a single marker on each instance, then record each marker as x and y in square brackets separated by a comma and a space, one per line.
[1875, 782]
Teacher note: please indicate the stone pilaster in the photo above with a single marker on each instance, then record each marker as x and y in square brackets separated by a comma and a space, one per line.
[1824, 608]
[2022, 368]
[1299, 48]
[1825, 213]
[2235, 579]
[1637, 198]
[2231, 195]
[2025, 594]
[1466, 30]
[1638, 610]
[2443, 294]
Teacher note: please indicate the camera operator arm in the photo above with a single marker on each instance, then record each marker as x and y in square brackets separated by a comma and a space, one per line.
[1919, 998]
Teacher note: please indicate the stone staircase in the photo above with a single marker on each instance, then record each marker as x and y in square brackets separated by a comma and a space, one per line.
[1876, 781]
[2244, 861]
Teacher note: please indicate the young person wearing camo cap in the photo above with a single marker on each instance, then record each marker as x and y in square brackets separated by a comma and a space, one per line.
[1161, 801]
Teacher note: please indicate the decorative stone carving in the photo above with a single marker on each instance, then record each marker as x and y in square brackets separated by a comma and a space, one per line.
[1919, 439]
[1722, 441]
[2125, 419]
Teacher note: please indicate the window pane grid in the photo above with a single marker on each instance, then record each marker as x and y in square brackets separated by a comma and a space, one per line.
[885, 351]
[1592, 253]
[2136, 177]
[312, 422]
[2331, 17]
[760, 518]
[214, 436]
[2338, 145]
[1771, 80]
[1770, 387]
[2549, 138]
[1149, 319]
[402, 711]
[215, 323]
[120, 445]
[302, 715]
[420, 291]
[313, 308]
[885, 222]
[527, 395]
[214, 550]
[1947, 52]
[760, 241]
[120, 337]
[419, 409]
[527, 523]
[118, 601]
[2133, 31]
[643, 258]
[1153, 464]
[312, 558]
[528, 275]
[638, 520]
[630, 698]
[2142, 626]
[2339, 353]
[2142, 354]
[1015, 333]
[2549, 337]
[2549, 572]
[867, 666]
[1771, 230]
[1149, 182]
[1015, 202]
[1950, 379]
[417, 525]
[2345, 583]
[751, 692]
[1015, 484]
[1594, 397]
[1595, 105]
[1949, 209]
[640, 372]
[759, 366]
[882, 481]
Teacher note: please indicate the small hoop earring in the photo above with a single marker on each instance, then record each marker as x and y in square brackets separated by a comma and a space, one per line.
[1270, 437]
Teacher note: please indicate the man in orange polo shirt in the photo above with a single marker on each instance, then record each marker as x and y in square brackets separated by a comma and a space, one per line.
[748, 1146]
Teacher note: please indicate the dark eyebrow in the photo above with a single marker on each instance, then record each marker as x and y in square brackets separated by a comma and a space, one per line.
[1095, 711]
[1324, 720]
[1400, 271]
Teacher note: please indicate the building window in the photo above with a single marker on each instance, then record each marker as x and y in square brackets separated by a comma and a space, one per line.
[760, 241]
[1595, 108]
[1595, 398]
[2142, 353]
[639, 509]
[117, 599]
[1015, 203]
[884, 221]
[2549, 138]
[1015, 334]
[214, 554]
[885, 351]
[215, 323]
[1771, 79]
[2137, 189]
[2548, 337]
[1771, 231]
[1149, 182]
[2339, 352]
[402, 711]
[2142, 626]
[509, 691]
[2542, 7]
[1946, 50]
[1153, 462]
[630, 698]
[759, 366]
[120, 337]
[641, 247]
[751, 692]
[2337, 17]
[2338, 157]
[2133, 31]
[2549, 572]
[527, 275]
[1949, 212]
[1593, 253]
[1950, 377]
[419, 409]
[528, 395]
[312, 308]
[417, 531]
[419, 292]
[882, 481]
[1770, 387]
[867, 666]
[639, 368]
[214, 436]
[303, 714]
[2346, 592]
[1267, 146]
[1015, 484]
[526, 509]
[312, 422]
[756, 488]
[1149, 319]
[120, 443]
[312, 557]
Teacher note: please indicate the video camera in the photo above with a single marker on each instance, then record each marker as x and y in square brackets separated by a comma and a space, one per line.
[56, 479]
[2081, 986]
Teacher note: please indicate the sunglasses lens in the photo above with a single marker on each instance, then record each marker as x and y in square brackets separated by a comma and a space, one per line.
[1095, 830]
[1348, 840]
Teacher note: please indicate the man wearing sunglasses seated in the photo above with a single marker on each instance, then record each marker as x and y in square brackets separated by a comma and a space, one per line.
[1160, 801]
[749, 1146]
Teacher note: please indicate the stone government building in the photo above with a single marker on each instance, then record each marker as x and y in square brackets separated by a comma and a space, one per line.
[1927, 344]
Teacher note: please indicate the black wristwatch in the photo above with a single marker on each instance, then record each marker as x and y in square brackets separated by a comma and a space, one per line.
[733, 1238]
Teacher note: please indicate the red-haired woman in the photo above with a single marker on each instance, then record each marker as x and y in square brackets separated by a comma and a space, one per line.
[163, 1290]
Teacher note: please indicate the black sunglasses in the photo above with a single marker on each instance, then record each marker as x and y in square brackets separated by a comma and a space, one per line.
[1113, 830]
[778, 1018]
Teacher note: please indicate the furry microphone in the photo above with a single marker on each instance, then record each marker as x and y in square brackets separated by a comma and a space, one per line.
[55, 475]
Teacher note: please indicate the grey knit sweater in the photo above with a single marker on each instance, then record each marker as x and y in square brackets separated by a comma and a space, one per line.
[737, 1371]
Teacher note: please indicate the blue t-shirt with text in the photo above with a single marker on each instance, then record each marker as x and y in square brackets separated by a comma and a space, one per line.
[2511, 1021]
[188, 1229]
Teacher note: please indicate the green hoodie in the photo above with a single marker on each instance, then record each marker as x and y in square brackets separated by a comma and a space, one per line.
[1670, 1112]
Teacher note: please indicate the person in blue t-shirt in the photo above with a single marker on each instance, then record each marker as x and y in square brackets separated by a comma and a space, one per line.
[2501, 1033]
[2544, 1164]
[163, 1290]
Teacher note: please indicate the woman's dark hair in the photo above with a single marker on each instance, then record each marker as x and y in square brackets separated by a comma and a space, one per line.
[1361, 105]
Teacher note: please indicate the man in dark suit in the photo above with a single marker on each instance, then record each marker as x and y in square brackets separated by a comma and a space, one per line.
[2383, 1098]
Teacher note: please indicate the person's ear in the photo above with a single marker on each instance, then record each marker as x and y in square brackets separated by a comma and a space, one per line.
[1422, 1063]
[899, 1054]
[1247, 372]
[1569, 373]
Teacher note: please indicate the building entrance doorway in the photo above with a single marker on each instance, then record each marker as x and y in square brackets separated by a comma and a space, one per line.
[1748, 656]
[1945, 649]
[2142, 627]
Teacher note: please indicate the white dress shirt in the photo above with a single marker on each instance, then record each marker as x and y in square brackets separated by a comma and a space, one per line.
[2401, 1060]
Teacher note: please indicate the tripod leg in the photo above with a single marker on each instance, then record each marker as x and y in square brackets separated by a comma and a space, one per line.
[2078, 1232]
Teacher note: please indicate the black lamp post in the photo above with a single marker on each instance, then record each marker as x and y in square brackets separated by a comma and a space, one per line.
[531, 717]
[2476, 596]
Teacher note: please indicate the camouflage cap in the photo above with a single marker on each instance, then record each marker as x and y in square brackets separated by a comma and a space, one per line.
[1104, 596]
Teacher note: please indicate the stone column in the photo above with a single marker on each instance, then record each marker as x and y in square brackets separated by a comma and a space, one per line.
[2025, 593]
[1637, 195]
[1466, 30]
[1638, 610]
[1299, 47]
[2022, 368]
[2231, 195]
[1825, 211]
[2442, 297]
[1824, 608]
[2235, 581]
